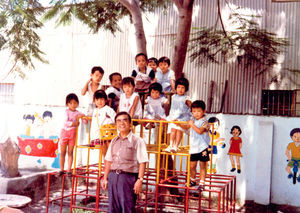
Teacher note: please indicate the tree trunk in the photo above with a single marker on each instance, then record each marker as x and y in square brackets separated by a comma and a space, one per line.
[135, 11]
[185, 10]
[9, 158]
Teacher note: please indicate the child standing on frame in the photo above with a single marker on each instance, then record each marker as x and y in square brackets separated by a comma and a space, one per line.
[180, 111]
[155, 102]
[165, 76]
[114, 91]
[199, 140]
[102, 115]
[68, 132]
[92, 85]
[130, 100]
[142, 74]
[235, 148]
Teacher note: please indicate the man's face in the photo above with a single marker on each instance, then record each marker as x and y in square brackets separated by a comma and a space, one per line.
[123, 124]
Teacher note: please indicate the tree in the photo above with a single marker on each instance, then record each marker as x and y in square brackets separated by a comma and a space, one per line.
[18, 25]
[185, 10]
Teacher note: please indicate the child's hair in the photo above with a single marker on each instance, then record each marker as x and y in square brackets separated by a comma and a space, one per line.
[236, 127]
[155, 86]
[214, 120]
[295, 130]
[184, 82]
[153, 60]
[28, 117]
[128, 80]
[198, 104]
[114, 74]
[100, 94]
[141, 54]
[71, 96]
[164, 59]
[47, 114]
[94, 69]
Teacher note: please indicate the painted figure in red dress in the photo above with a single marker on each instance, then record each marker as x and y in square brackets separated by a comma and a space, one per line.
[235, 148]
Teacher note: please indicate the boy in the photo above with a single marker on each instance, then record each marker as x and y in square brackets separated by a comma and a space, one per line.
[165, 76]
[142, 74]
[294, 148]
[199, 139]
[114, 91]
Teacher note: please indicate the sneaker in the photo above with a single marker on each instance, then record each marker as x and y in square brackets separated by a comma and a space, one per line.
[298, 178]
[168, 149]
[238, 171]
[290, 175]
[233, 169]
[192, 183]
[148, 126]
[174, 149]
[201, 187]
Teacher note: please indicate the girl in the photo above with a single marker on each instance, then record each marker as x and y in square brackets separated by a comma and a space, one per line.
[235, 148]
[165, 76]
[143, 75]
[153, 63]
[154, 103]
[93, 85]
[114, 91]
[68, 132]
[102, 115]
[180, 111]
[129, 100]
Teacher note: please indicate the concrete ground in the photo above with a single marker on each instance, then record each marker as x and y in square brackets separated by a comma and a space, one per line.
[33, 184]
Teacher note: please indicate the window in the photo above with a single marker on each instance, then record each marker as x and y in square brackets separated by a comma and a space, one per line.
[281, 102]
[7, 93]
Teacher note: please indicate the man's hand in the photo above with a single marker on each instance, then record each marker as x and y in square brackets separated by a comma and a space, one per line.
[138, 186]
[104, 183]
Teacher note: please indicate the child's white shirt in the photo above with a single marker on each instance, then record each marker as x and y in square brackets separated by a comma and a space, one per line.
[155, 107]
[91, 93]
[105, 115]
[125, 104]
[111, 89]
[198, 142]
[143, 76]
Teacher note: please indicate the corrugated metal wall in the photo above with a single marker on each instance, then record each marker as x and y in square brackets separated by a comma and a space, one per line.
[243, 95]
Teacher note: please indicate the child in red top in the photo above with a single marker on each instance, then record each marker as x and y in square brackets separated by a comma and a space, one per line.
[235, 148]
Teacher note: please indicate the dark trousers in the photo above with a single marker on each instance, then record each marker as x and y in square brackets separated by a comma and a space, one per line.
[121, 197]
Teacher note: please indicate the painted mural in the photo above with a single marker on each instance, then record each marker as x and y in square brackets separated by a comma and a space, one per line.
[235, 148]
[293, 154]
[39, 137]
[217, 142]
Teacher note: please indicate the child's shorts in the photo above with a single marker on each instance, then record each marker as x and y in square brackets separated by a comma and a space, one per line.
[68, 137]
[291, 163]
[202, 156]
[98, 142]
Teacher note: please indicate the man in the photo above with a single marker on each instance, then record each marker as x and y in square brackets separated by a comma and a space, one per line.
[125, 165]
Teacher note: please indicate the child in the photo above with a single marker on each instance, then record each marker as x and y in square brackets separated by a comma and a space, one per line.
[129, 100]
[199, 140]
[154, 103]
[143, 75]
[165, 76]
[29, 119]
[93, 85]
[114, 91]
[293, 151]
[153, 63]
[68, 132]
[180, 111]
[102, 115]
[235, 148]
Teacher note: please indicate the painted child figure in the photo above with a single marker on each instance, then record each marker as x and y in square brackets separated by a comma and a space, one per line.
[92, 85]
[142, 74]
[155, 102]
[130, 100]
[68, 132]
[102, 115]
[235, 148]
[293, 151]
[165, 76]
[217, 142]
[199, 140]
[180, 111]
[114, 91]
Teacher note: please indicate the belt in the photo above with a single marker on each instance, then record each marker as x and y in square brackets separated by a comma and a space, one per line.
[118, 171]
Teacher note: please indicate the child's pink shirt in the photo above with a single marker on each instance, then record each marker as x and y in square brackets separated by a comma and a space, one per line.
[70, 118]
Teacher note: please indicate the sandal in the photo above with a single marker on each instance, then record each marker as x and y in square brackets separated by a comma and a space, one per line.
[60, 173]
